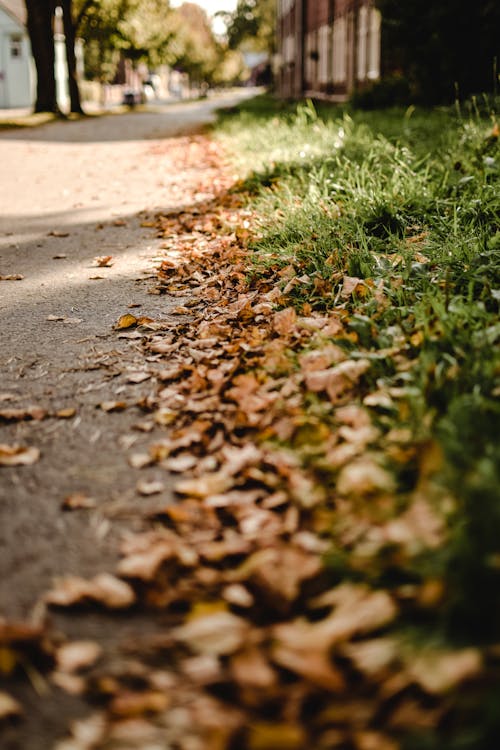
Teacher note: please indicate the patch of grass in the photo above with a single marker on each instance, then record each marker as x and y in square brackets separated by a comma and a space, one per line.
[407, 201]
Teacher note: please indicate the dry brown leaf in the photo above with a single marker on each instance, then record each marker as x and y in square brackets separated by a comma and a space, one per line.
[78, 500]
[181, 463]
[104, 589]
[71, 657]
[238, 595]
[130, 704]
[357, 610]
[18, 455]
[18, 415]
[278, 572]
[139, 460]
[66, 413]
[138, 377]
[438, 672]
[312, 664]
[126, 321]
[103, 261]
[284, 321]
[250, 668]
[337, 380]
[149, 487]
[363, 477]
[220, 633]
[12, 277]
[57, 233]
[113, 405]
[9, 707]
[86, 733]
[353, 285]
[204, 486]
[372, 656]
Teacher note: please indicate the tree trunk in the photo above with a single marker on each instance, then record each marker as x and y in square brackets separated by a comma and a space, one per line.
[40, 15]
[69, 35]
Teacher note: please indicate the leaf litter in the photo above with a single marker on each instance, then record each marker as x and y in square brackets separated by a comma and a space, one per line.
[286, 473]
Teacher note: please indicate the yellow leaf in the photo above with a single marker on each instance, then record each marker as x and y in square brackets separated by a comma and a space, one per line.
[126, 321]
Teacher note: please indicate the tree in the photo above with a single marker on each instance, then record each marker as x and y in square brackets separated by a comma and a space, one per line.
[41, 31]
[252, 25]
[442, 46]
[196, 51]
[138, 29]
[40, 28]
[69, 41]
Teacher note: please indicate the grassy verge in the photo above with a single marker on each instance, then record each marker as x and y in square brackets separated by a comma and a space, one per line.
[393, 220]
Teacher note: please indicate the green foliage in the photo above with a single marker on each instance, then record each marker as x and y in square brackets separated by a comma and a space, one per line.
[150, 31]
[252, 25]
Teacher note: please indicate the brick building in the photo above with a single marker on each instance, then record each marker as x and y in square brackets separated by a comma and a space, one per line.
[327, 48]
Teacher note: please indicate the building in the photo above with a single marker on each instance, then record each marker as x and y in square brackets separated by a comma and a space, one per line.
[327, 48]
[16, 67]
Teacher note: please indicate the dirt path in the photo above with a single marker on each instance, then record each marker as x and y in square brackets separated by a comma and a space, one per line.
[71, 192]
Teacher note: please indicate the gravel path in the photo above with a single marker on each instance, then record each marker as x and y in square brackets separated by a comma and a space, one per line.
[71, 191]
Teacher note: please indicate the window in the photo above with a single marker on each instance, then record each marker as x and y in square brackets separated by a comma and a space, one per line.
[339, 50]
[16, 46]
[362, 42]
[374, 45]
[324, 34]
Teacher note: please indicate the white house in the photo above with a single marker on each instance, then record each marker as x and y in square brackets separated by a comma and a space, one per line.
[16, 66]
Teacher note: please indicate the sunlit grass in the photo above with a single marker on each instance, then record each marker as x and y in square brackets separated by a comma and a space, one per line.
[408, 202]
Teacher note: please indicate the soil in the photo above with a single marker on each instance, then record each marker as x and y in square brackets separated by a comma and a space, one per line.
[71, 192]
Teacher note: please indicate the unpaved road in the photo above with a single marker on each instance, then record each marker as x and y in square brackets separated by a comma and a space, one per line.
[71, 191]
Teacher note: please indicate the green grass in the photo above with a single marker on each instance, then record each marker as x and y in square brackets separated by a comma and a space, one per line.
[408, 201]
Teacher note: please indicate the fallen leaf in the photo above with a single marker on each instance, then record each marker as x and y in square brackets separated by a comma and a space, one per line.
[363, 477]
[78, 500]
[357, 610]
[284, 321]
[220, 633]
[126, 321]
[18, 455]
[129, 703]
[314, 665]
[71, 657]
[17, 415]
[57, 233]
[66, 413]
[104, 589]
[337, 380]
[278, 572]
[138, 377]
[59, 256]
[113, 405]
[139, 460]
[145, 487]
[204, 486]
[103, 261]
[9, 707]
[438, 672]
[12, 277]
[250, 667]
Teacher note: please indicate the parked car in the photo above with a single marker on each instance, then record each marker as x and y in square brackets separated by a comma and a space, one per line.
[131, 97]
